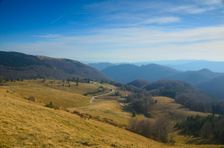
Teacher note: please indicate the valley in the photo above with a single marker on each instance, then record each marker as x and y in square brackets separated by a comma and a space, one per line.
[111, 73]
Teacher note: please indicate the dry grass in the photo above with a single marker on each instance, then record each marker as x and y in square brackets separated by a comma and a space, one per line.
[82, 88]
[109, 109]
[168, 107]
[44, 94]
[28, 124]
[25, 124]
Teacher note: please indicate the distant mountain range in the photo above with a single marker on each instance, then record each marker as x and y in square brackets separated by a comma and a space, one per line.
[15, 65]
[195, 77]
[197, 65]
[125, 73]
[181, 65]
[203, 79]
[101, 66]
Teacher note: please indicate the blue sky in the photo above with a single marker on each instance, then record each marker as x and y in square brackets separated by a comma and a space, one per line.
[114, 30]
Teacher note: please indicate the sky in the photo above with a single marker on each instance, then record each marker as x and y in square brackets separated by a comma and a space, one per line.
[114, 30]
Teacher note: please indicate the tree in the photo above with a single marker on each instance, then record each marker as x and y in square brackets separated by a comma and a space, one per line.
[140, 103]
[1, 80]
[158, 130]
[206, 130]
[77, 82]
[210, 127]
[162, 128]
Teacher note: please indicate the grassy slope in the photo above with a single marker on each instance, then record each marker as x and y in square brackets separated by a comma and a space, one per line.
[109, 109]
[168, 107]
[175, 112]
[44, 94]
[25, 123]
[82, 88]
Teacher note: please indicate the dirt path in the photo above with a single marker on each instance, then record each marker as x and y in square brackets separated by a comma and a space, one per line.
[105, 94]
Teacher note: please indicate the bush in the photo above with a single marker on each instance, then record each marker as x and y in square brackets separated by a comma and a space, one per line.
[31, 98]
[51, 105]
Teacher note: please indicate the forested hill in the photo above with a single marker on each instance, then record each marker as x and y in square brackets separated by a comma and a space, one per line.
[14, 65]
[186, 95]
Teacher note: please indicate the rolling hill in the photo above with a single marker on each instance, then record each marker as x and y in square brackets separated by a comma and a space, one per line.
[15, 65]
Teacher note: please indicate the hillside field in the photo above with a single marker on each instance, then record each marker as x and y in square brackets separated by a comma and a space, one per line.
[28, 123]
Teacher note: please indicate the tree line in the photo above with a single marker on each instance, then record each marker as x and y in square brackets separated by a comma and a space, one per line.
[210, 127]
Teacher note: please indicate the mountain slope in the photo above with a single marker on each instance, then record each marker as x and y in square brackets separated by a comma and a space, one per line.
[139, 83]
[195, 77]
[100, 66]
[18, 65]
[214, 87]
[127, 72]
[122, 73]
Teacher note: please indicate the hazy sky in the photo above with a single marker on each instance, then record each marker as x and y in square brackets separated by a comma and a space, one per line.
[114, 30]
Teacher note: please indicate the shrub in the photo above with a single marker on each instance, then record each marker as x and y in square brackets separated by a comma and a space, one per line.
[51, 105]
[31, 98]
